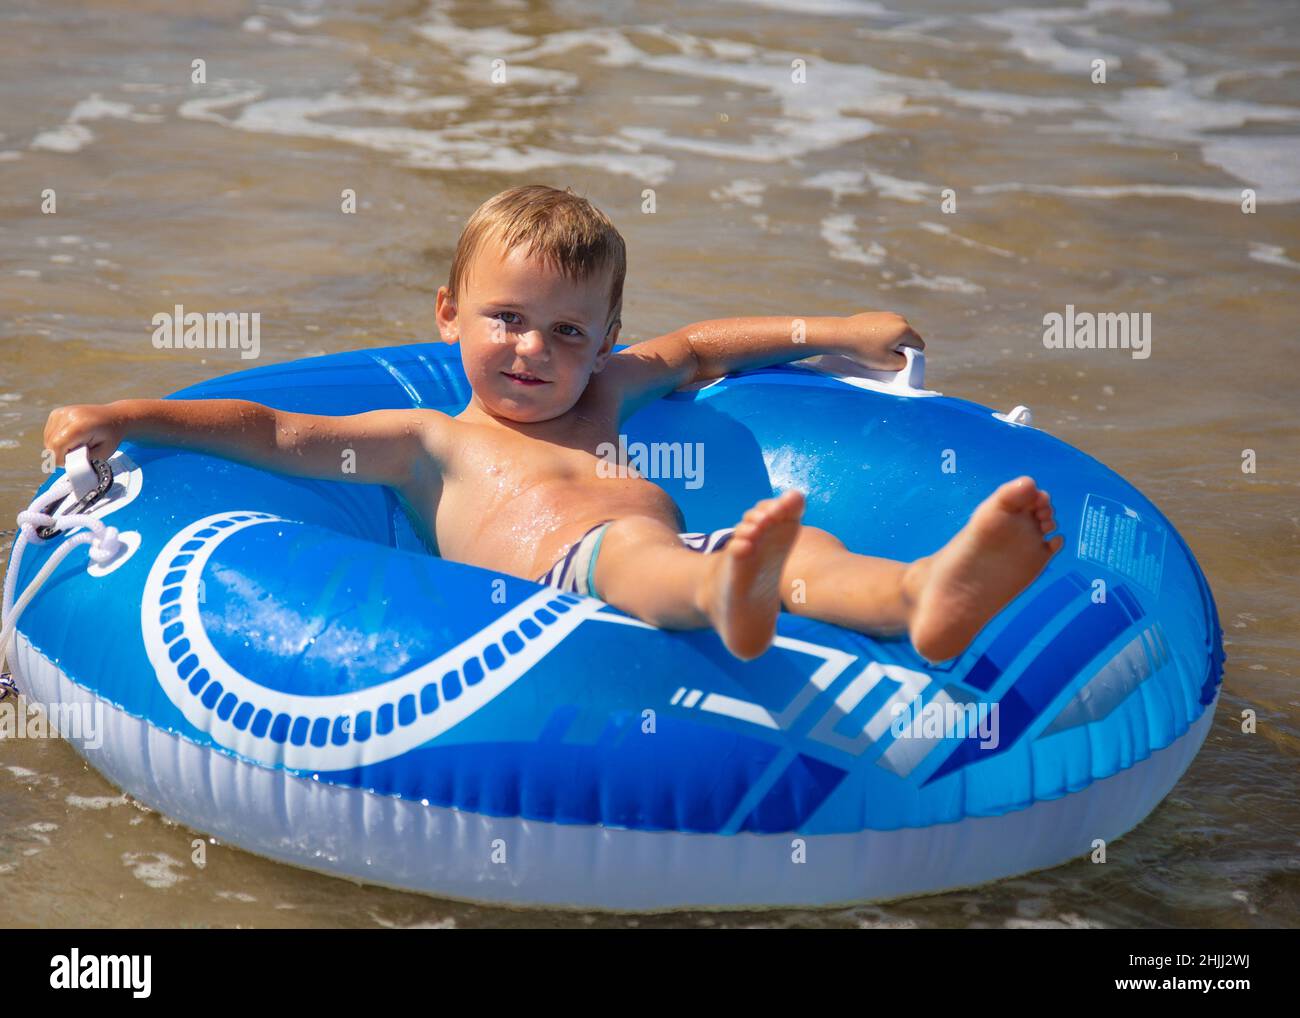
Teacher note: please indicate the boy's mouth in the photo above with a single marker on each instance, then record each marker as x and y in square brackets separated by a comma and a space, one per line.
[524, 378]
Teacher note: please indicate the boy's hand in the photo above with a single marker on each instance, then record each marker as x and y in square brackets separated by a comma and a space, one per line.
[97, 426]
[876, 339]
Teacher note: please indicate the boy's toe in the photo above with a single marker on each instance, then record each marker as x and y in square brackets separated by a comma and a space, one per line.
[1017, 495]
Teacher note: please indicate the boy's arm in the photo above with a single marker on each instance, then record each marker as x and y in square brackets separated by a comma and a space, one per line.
[646, 371]
[378, 447]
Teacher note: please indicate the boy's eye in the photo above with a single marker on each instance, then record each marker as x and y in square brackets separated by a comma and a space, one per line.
[573, 330]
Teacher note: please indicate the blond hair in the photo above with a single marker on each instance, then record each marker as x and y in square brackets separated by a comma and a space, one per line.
[565, 231]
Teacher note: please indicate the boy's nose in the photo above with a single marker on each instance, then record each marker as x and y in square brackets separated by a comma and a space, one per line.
[529, 343]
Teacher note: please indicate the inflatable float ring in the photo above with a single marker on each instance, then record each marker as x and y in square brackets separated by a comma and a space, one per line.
[281, 663]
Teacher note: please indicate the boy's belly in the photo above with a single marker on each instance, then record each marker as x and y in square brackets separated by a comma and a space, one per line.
[525, 534]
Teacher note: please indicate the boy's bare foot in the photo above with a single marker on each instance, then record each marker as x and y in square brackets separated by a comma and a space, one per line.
[742, 596]
[993, 558]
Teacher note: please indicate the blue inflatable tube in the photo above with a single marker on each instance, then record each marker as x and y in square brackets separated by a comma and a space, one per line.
[283, 664]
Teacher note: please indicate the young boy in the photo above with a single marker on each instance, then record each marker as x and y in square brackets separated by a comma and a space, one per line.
[512, 482]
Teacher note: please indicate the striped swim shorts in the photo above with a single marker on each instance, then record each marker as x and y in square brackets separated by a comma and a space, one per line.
[575, 573]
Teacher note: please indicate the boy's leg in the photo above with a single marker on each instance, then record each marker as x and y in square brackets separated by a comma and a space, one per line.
[941, 600]
[824, 580]
[646, 571]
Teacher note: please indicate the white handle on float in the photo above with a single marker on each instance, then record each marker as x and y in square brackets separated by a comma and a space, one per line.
[1020, 414]
[80, 473]
[80, 479]
[907, 381]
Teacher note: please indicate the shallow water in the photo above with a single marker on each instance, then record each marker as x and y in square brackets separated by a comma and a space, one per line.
[771, 198]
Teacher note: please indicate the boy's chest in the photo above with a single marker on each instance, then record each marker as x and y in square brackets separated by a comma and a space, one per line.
[512, 463]
[500, 458]
[505, 498]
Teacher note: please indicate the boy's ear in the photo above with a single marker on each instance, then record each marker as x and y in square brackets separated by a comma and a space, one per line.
[445, 315]
[607, 347]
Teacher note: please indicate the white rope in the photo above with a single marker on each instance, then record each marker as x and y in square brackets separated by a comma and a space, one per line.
[103, 541]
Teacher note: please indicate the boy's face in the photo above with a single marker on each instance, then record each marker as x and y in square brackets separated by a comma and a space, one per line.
[530, 339]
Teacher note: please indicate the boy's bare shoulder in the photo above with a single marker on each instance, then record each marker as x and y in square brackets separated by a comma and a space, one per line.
[643, 372]
[395, 442]
[433, 428]
[393, 423]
